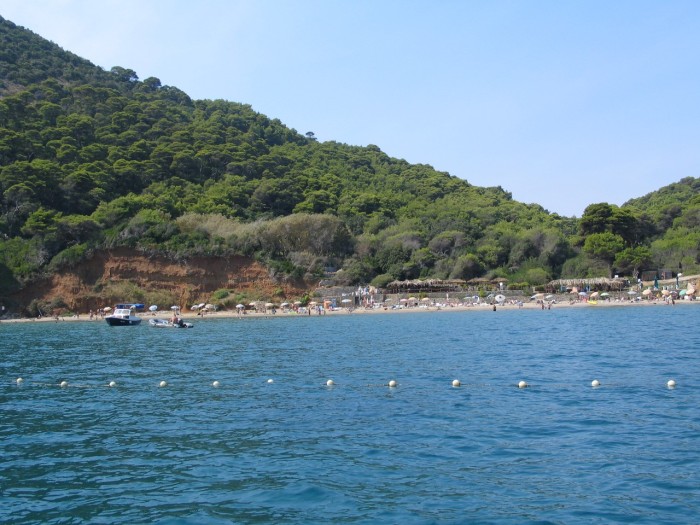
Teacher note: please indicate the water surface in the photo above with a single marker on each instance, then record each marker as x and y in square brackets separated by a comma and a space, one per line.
[297, 451]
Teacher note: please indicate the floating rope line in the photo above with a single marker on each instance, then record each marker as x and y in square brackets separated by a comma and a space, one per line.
[330, 383]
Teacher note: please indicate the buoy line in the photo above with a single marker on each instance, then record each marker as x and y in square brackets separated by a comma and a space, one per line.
[392, 384]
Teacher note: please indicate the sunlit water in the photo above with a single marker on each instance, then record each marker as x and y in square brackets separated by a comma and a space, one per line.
[297, 451]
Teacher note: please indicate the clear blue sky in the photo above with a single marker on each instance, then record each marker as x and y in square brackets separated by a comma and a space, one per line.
[561, 103]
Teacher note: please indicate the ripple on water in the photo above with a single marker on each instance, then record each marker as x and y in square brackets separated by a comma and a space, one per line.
[297, 451]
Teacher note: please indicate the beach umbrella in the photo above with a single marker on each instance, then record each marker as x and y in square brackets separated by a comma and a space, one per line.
[549, 297]
[426, 299]
[500, 298]
[269, 305]
[538, 296]
[239, 306]
[284, 304]
[174, 307]
[210, 307]
[350, 300]
[400, 300]
[201, 305]
[683, 292]
[665, 293]
[605, 294]
[298, 303]
[646, 292]
[574, 290]
[153, 307]
[194, 307]
[631, 292]
[583, 294]
[594, 295]
[106, 308]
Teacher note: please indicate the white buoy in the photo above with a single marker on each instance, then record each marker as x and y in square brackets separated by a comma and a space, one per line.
[163, 384]
[671, 383]
[63, 384]
[522, 384]
[19, 381]
[456, 383]
[270, 380]
[112, 384]
[330, 382]
[216, 384]
[595, 383]
[392, 383]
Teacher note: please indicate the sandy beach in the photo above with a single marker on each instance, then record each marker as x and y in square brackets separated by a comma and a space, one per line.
[388, 310]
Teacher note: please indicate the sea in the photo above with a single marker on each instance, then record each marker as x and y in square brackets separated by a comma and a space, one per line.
[302, 426]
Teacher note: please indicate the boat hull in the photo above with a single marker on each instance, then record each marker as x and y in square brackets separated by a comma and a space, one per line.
[161, 323]
[118, 321]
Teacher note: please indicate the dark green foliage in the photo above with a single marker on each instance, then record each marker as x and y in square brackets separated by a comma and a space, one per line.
[92, 159]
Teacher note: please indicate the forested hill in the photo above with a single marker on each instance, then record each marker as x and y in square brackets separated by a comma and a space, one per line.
[93, 159]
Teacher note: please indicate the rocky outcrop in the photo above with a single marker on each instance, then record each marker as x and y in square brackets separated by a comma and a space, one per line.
[126, 275]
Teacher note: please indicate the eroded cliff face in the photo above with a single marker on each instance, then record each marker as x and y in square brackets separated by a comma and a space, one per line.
[111, 274]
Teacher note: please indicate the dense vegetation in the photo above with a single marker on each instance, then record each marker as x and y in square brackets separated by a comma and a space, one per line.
[93, 159]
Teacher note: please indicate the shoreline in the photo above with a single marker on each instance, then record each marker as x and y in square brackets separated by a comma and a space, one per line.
[231, 314]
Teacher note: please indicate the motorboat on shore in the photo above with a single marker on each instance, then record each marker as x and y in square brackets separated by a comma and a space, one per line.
[123, 315]
[164, 323]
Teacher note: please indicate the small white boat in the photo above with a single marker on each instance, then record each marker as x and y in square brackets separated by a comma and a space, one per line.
[163, 323]
[123, 315]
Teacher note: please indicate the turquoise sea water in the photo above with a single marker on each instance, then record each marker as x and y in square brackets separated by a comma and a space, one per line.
[298, 451]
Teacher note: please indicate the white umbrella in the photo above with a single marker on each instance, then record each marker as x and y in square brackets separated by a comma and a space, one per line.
[269, 305]
[153, 307]
[107, 308]
[500, 298]
[201, 305]
[349, 300]
[210, 307]
[631, 292]
[549, 297]
[174, 307]
[284, 304]
[239, 306]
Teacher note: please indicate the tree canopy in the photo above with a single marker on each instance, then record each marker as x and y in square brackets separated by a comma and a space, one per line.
[93, 159]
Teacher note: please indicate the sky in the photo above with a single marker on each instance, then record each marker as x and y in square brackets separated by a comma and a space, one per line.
[561, 103]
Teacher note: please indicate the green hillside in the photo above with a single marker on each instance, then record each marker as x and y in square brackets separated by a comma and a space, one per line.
[93, 159]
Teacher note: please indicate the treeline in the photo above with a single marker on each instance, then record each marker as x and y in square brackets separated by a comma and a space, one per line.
[92, 159]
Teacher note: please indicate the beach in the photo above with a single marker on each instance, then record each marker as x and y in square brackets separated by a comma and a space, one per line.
[558, 302]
